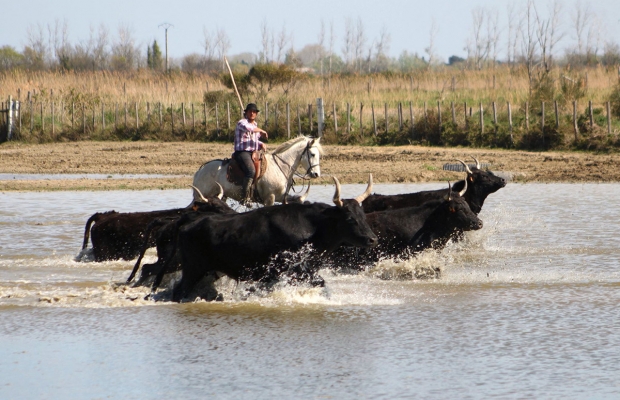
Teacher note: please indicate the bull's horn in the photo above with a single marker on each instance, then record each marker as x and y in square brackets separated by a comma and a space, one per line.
[368, 191]
[221, 193]
[449, 195]
[302, 198]
[199, 194]
[462, 192]
[337, 200]
[477, 162]
[465, 165]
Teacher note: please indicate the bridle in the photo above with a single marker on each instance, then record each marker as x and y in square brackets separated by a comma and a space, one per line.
[292, 169]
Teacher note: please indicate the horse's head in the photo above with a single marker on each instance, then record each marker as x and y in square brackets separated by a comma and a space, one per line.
[311, 158]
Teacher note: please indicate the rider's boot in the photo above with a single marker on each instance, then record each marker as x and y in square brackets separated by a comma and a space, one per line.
[247, 191]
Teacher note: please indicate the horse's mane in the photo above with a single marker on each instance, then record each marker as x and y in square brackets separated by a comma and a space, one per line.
[290, 143]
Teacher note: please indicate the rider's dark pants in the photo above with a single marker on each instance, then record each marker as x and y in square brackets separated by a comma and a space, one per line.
[244, 159]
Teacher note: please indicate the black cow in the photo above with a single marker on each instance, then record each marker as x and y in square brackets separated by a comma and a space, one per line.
[165, 229]
[117, 235]
[480, 184]
[405, 231]
[242, 246]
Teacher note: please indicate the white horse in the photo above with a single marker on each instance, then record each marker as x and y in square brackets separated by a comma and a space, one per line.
[282, 165]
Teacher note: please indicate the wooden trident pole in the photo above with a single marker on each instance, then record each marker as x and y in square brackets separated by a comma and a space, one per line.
[234, 84]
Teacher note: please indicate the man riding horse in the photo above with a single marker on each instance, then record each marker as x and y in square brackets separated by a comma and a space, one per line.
[247, 135]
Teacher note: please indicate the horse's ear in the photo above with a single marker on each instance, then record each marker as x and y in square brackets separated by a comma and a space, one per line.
[318, 139]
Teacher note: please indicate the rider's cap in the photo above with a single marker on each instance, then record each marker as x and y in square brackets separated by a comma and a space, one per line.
[251, 107]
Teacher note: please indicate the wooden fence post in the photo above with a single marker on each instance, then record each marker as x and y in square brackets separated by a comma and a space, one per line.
[172, 118]
[400, 116]
[83, 118]
[495, 119]
[137, 117]
[335, 119]
[557, 115]
[527, 116]
[228, 115]
[288, 120]
[542, 119]
[361, 123]
[591, 114]
[386, 118]
[217, 118]
[298, 120]
[481, 120]
[575, 127]
[510, 124]
[411, 117]
[193, 118]
[348, 118]
[439, 122]
[374, 121]
[608, 118]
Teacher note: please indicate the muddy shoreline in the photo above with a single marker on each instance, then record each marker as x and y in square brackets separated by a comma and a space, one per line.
[176, 162]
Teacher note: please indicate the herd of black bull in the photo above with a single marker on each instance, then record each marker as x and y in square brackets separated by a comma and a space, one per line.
[209, 237]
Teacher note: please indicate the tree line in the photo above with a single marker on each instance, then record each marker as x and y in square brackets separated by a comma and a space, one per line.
[531, 38]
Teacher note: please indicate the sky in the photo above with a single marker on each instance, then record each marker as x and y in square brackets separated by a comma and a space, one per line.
[408, 22]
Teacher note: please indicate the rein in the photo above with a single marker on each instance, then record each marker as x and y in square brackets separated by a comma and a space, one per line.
[292, 171]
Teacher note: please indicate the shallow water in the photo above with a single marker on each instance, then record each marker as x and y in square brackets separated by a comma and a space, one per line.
[525, 308]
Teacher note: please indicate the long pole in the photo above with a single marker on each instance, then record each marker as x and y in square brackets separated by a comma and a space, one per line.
[233, 82]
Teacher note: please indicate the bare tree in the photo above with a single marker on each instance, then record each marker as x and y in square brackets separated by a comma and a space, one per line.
[283, 40]
[222, 44]
[209, 43]
[430, 50]
[332, 39]
[321, 39]
[347, 49]
[582, 17]
[382, 48]
[512, 37]
[59, 43]
[359, 43]
[548, 34]
[37, 52]
[527, 29]
[125, 54]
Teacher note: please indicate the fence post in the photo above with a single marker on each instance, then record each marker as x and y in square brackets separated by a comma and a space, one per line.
[204, 114]
[228, 115]
[400, 116]
[494, 117]
[194, 118]
[439, 123]
[575, 127]
[348, 118]
[320, 115]
[481, 120]
[335, 119]
[288, 120]
[374, 121]
[557, 116]
[83, 119]
[542, 119]
[361, 122]
[102, 116]
[510, 124]
[608, 118]
[10, 118]
[386, 118]
[137, 117]
[171, 119]
[527, 116]
[411, 117]
[298, 120]
[591, 114]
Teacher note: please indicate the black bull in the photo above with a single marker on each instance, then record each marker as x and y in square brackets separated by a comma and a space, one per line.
[117, 235]
[408, 230]
[242, 245]
[480, 184]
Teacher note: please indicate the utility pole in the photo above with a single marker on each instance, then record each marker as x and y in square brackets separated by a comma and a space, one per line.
[166, 26]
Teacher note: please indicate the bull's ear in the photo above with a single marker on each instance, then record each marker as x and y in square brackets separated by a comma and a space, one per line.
[471, 178]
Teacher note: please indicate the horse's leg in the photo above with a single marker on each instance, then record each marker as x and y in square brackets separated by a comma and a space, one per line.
[270, 200]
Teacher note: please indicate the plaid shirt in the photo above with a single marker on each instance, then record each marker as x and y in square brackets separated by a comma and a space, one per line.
[245, 137]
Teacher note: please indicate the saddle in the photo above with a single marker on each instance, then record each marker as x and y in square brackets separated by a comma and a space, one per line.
[234, 173]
